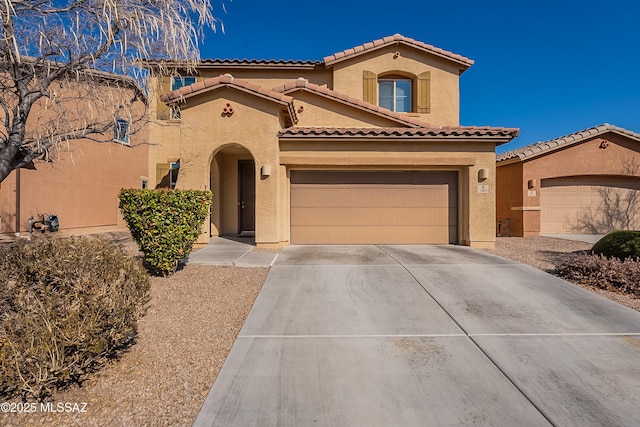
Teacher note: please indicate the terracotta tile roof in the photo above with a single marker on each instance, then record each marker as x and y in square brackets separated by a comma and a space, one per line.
[259, 63]
[540, 148]
[394, 39]
[235, 62]
[227, 80]
[445, 132]
[304, 84]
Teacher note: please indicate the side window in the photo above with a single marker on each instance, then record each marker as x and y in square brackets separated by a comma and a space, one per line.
[167, 174]
[395, 94]
[180, 81]
[121, 131]
[173, 174]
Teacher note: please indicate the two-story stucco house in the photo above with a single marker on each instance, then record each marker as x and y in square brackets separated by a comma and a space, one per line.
[364, 146]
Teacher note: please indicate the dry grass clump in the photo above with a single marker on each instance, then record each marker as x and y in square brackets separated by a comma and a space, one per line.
[66, 306]
[611, 274]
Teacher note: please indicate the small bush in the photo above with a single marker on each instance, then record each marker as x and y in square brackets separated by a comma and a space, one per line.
[602, 272]
[619, 244]
[165, 223]
[66, 305]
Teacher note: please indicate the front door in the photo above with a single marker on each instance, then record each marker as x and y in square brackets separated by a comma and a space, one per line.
[246, 196]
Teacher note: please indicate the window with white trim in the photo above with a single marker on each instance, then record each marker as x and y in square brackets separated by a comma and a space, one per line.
[121, 131]
[395, 94]
[179, 81]
[174, 168]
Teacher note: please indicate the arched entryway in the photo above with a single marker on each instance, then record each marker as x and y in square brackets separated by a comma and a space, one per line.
[233, 182]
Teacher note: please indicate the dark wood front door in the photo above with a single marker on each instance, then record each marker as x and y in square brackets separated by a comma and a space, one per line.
[246, 196]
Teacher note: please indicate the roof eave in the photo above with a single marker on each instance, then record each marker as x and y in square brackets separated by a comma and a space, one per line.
[408, 134]
[532, 151]
[463, 62]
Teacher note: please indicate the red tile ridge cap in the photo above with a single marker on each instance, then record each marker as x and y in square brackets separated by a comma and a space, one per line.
[397, 38]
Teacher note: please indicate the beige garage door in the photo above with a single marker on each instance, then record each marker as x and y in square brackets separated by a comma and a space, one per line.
[369, 207]
[585, 205]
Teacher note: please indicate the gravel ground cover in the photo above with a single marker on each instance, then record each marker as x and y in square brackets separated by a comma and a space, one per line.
[193, 318]
[192, 321]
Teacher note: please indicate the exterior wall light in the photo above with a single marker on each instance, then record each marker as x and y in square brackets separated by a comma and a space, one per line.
[531, 184]
[483, 174]
[265, 170]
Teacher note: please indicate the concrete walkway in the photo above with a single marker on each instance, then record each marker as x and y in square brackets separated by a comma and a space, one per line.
[221, 251]
[426, 336]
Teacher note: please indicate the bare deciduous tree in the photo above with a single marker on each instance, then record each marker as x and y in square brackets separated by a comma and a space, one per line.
[68, 68]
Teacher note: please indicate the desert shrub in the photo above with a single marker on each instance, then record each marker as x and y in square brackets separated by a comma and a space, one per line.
[619, 244]
[66, 306]
[165, 223]
[602, 272]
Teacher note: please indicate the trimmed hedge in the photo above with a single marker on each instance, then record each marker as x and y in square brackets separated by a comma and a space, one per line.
[165, 223]
[619, 244]
[66, 306]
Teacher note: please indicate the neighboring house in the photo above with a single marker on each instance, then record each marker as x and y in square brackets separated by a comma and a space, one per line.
[80, 184]
[362, 147]
[586, 182]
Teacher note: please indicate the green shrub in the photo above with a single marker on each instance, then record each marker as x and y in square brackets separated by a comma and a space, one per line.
[165, 223]
[66, 306]
[602, 272]
[619, 244]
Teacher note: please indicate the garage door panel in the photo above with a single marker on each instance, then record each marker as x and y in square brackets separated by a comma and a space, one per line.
[356, 216]
[368, 196]
[362, 207]
[371, 234]
[589, 206]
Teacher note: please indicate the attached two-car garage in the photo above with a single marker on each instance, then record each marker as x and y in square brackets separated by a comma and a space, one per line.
[374, 207]
[589, 204]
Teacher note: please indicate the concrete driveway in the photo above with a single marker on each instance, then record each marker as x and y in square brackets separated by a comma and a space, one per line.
[426, 335]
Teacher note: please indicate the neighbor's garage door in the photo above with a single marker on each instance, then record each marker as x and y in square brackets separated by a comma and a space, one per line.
[364, 207]
[589, 206]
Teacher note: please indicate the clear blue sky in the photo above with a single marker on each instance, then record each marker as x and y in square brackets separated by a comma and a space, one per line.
[547, 67]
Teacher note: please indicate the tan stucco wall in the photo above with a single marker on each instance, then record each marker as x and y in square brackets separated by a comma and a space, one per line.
[509, 195]
[315, 110]
[272, 78]
[203, 131]
[586, 158]
[81, 187]
[445, 98]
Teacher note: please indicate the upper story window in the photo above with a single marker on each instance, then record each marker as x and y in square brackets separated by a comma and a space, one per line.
[395, 94]
[399, 92]
[121, 131]
[180, 81]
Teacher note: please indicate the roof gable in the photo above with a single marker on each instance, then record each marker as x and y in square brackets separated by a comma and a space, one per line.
[539, 148]
[462, 62]
[302, 84]
[227, 80]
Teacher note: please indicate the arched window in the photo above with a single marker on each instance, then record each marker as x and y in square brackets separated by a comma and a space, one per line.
[397, 92]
